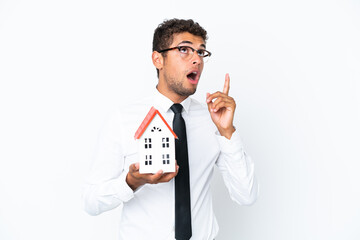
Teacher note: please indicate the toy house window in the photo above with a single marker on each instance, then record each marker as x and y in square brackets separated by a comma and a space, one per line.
[165, 142]
[155, 129]
[147, 142]
[166, 158]
[148, 160]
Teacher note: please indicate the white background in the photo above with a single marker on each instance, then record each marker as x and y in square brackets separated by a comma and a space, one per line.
[295, 74]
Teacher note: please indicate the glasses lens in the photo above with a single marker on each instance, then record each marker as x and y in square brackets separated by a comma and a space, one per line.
[204, 54]
[184, 50]
[187, 53]
[206, 59]
[201, 53]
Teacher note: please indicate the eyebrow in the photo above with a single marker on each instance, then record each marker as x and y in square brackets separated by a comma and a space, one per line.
[189, 42]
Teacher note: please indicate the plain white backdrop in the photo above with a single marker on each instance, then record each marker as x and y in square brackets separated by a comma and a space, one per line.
[295, 74]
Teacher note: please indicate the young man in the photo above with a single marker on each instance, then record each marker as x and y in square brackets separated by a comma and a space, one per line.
[153, 207]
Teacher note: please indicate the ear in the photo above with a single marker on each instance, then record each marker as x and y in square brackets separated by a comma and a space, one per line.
[158, 60]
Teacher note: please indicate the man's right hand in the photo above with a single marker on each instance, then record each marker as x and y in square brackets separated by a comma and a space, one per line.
[134, 179]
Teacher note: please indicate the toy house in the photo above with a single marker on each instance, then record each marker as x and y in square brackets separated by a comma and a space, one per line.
[156, 142]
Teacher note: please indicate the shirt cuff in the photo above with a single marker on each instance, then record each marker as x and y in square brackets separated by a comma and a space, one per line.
[229, 145]
[125, 193]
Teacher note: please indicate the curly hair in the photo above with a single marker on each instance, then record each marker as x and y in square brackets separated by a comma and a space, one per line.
[164, 33]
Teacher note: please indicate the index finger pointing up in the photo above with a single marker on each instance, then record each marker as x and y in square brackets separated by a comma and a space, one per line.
[227, 84]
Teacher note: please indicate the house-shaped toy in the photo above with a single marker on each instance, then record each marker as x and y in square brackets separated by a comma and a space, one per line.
[156, 142]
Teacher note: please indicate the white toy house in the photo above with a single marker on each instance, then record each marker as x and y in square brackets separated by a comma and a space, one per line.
[156, 141]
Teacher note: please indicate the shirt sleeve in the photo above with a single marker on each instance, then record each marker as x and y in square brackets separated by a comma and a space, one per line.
[105, 187]
[237, 169]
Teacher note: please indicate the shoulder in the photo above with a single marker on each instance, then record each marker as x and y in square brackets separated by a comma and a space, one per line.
[136, 106]
[129, 115]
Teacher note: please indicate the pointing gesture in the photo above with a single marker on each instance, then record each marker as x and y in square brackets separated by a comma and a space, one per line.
[222, 108]
[227, 84]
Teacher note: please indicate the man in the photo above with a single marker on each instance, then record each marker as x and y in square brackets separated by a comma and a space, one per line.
[153, 207]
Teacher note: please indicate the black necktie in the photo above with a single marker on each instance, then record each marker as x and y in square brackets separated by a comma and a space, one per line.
[182, 181]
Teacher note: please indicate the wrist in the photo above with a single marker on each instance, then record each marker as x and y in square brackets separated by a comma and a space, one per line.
[132, 182]
[227, 132]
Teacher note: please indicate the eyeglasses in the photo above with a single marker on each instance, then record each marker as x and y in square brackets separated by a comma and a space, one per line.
[187, 52]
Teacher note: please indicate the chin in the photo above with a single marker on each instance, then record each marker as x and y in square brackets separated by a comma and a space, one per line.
[186, 92]
[183, 91]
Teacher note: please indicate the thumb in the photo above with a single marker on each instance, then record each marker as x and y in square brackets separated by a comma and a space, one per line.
[134, 167]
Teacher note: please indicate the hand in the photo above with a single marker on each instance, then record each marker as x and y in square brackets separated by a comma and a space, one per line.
[222, 109]
[135, 179]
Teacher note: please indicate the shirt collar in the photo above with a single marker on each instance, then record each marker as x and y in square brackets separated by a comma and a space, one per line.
[163, 103]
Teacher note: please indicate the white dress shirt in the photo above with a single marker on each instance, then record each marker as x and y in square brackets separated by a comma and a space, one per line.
[148, 213]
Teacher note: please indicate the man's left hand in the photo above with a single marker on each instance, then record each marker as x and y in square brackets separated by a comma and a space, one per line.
[222, 109]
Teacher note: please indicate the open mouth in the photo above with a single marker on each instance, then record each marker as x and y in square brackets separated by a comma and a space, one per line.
[193, 77]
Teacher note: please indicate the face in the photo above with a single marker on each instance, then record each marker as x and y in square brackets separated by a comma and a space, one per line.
[179, 77]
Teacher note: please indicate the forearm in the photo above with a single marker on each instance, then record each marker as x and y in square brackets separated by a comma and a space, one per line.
[105, 187]
[237, 169]
[106, 195]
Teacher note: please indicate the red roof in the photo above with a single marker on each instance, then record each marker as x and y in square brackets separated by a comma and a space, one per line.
[145, 123]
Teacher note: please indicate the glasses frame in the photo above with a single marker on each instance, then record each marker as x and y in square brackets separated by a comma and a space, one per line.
[193, 50]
